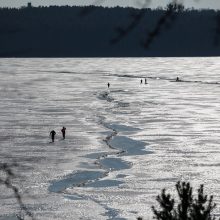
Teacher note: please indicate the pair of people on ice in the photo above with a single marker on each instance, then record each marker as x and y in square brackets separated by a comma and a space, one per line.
[53, 133]
[145, 81]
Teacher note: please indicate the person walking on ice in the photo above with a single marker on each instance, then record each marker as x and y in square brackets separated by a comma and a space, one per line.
[108, 84]
[63, 130]
[52, 135]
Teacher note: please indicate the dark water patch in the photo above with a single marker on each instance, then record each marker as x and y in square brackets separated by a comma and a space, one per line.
[121, 176]
[73, 197]
[75, 179]
[114, 164]
[105, 96]
[105, 183]
[129, 146]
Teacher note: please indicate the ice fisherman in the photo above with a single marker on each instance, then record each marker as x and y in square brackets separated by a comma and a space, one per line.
[108, 84]
[63, 130]
[145, 81]
[141, 81]
[177, 79]
[52, 134]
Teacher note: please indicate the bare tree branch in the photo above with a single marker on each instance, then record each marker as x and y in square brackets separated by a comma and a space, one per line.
[7, 169]
[136, 18]
[169, 14]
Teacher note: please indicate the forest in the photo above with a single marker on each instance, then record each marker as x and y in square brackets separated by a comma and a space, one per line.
[64, 31]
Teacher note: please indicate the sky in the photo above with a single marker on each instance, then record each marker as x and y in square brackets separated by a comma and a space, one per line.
[214, 4]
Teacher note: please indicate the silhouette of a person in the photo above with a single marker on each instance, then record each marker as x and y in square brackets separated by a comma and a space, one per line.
[145, 80]
[63, 130]
[108, 85]
[52, 134]
[177, 79]
[141, 81]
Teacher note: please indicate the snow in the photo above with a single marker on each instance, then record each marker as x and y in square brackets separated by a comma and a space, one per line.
[123, 144]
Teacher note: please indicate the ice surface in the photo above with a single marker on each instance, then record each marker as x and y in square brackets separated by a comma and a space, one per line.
[123, 144]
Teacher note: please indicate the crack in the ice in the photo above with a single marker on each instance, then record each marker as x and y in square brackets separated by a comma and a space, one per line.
[62, 185]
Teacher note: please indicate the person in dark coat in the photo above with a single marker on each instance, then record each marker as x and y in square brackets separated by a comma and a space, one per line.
[52, 134]
[63, 130]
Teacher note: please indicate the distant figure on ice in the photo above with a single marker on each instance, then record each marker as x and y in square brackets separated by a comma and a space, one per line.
[141, 81]
[108, 84]
[52, 134]
[177, 79]
[63, 130]
[145, 81]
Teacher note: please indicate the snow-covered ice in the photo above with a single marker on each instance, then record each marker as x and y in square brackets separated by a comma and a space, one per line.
[123, 144]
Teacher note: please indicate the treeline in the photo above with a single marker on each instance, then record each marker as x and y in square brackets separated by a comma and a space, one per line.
[107, 32]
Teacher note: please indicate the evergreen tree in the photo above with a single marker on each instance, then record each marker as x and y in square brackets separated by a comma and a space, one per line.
[188, 207]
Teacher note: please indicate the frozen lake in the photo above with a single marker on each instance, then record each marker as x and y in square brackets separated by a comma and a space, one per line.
[123, 144]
